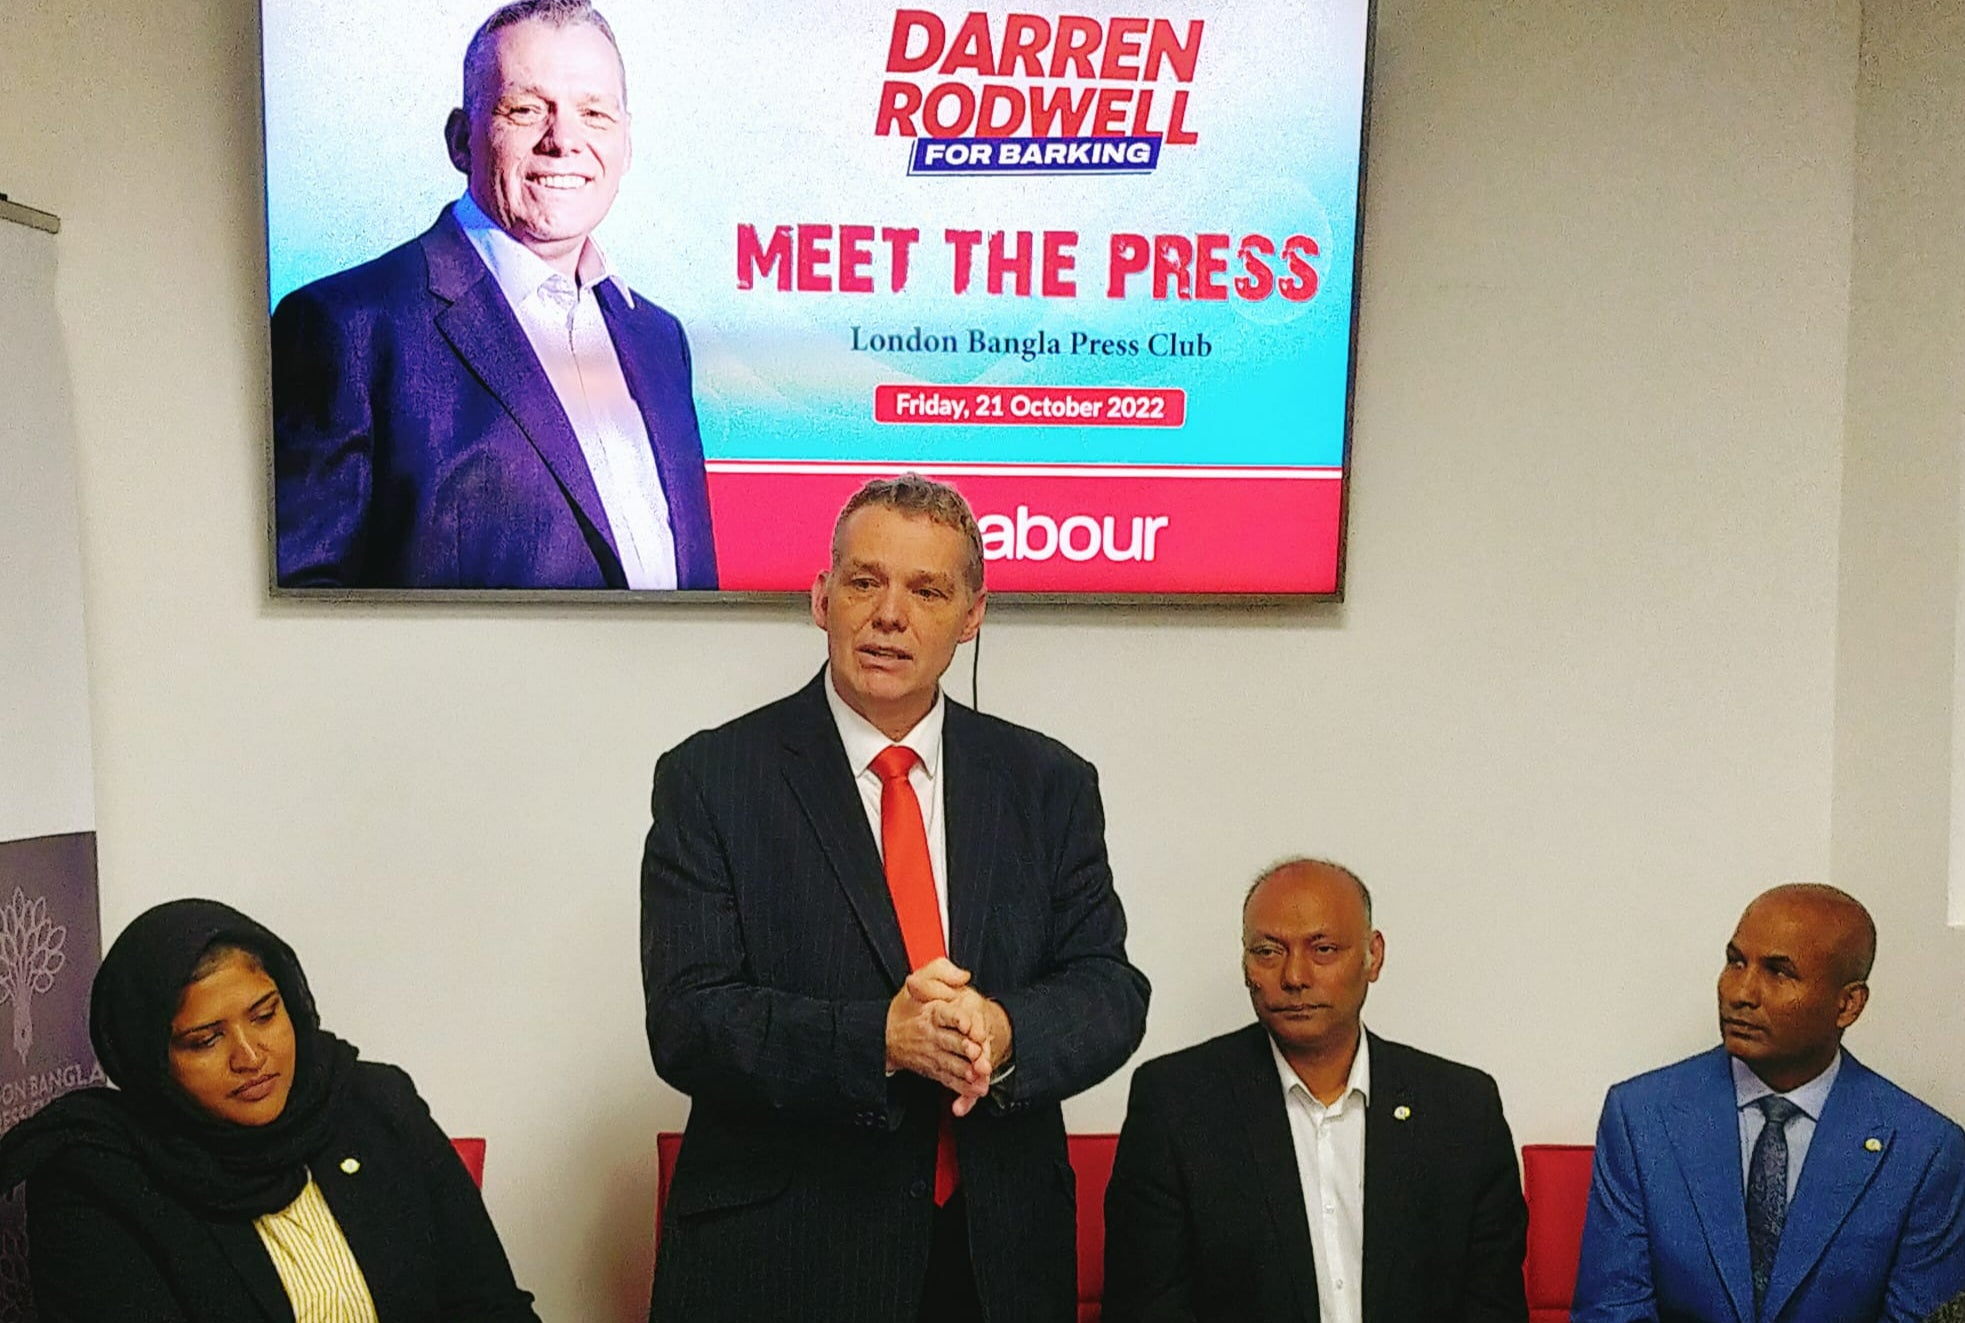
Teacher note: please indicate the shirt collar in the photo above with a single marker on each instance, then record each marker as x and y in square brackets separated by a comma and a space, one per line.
[864, 742]
[1359, 1083]
[518, 270]
[1749, 1088]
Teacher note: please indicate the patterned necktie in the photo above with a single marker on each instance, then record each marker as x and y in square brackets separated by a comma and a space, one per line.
[911, 882]
[1767, 1190]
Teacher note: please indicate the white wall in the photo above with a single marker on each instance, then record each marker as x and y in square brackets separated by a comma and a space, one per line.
[1629, 602]
[1898, 598]
[46, 785]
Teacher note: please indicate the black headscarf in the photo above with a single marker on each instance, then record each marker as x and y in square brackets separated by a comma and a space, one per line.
[219, 1167]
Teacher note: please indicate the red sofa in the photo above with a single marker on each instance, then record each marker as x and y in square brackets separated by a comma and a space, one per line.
[1555, 1178]
[1556, 1182]
[471, 1152]
[1091, 1159]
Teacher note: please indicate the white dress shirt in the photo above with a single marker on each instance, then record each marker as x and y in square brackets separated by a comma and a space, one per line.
[864, 743]
[562, 321]
[1330, 1167]
[1749, 1089]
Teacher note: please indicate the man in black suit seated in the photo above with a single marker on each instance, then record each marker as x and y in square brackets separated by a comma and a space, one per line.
[880, 945]
[1303, 1168]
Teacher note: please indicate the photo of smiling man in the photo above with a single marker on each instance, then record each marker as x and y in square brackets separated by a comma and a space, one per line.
[489, 405]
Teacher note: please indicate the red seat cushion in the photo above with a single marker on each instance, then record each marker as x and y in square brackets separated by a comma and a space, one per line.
[1556, 1183]
[667, 1145]
[1091, 1159]
[472, 1152]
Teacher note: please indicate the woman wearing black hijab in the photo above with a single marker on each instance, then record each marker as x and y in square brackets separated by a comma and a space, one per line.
[247, 1166]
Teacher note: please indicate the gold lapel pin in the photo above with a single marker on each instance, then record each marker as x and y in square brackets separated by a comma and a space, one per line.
[1401, 1112]
[1873, 1145]
[353, 1165]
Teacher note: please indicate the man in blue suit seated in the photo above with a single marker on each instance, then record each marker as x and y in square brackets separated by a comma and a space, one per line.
[1776, 1179]
[489, 405]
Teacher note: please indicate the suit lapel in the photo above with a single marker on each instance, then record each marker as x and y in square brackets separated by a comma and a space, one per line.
[369, 1220]
[248, 1255]
[1395, 1173]
[482, 328]
[1259, 1102]
[822, 781]
[972, 797]
[652, 380]
[1839, 1167]
[1706, 1148]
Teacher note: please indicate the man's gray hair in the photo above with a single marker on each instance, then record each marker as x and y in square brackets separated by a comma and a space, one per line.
[553, 13]
[912, 494]
[1302, 861]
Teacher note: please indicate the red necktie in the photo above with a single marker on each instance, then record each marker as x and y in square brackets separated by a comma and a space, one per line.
[911, 882]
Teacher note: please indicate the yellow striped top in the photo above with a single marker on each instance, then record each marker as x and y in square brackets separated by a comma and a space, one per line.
[315, 1264]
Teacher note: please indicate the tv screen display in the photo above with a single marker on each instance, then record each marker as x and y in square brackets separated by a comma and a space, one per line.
[573, 305]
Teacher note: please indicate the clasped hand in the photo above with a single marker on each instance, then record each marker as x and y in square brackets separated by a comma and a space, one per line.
[940, 1027]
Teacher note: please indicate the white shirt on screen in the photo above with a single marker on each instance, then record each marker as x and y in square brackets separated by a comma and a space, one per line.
[562, 321]
[1330, 1167]
[1749, 1089]
[864, 743]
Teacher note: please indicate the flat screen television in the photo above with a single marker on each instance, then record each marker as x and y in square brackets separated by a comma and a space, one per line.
[1096, 266]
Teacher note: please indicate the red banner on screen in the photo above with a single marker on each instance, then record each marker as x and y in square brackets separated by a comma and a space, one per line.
[1057, 528]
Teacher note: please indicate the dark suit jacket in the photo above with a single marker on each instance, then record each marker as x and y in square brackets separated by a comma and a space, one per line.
[104, 1243]
[770, 951]
[1875, 1233]
[417, 442]
[1204, 1217]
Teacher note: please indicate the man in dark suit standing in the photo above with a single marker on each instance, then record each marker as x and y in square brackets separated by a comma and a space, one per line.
[489, 405]
[1303, 1169]
[880, 945]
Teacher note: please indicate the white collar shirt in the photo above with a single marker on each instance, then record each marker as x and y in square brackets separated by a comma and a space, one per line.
[1749, 1089]
[562, 321]
[864, 743]
[1330, 1168]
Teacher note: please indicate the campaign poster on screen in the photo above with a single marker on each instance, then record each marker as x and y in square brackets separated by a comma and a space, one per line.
[1093, 265]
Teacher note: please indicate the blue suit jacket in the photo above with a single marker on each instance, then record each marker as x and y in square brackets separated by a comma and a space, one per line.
[417, 442]
[1876, 1230]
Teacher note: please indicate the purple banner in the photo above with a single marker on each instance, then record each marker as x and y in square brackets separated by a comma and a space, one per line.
[50, 944]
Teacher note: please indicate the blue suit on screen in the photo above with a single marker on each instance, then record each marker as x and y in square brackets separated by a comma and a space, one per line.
[1875, 1231]
[417, 442]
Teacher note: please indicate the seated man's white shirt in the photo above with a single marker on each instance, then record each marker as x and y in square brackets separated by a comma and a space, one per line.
[1330, 1167]
[562, 321]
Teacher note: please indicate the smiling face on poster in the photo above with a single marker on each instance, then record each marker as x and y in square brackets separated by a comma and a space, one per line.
[1094, 266]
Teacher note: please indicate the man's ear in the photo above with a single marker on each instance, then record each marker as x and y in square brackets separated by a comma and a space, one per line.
[1855, 996]
[819, 599]
[457, 140]
[973, 622]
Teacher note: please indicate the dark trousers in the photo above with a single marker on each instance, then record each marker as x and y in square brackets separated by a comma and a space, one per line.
[949, 1293]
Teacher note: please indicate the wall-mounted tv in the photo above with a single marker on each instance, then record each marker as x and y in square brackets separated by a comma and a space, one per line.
[574, 305]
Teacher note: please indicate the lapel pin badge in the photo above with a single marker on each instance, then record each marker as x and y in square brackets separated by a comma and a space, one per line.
[1401, 1112]
[1873, 1144]
[353, 1165]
